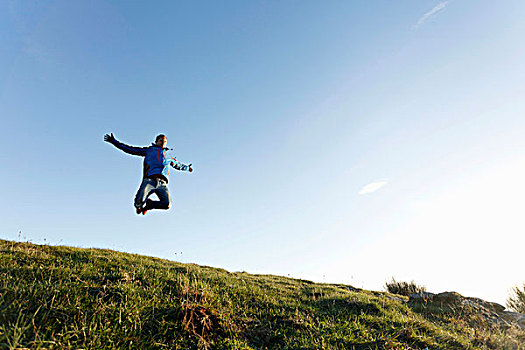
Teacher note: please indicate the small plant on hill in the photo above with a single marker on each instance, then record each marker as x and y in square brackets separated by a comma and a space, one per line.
[516, 300]
[403, 288]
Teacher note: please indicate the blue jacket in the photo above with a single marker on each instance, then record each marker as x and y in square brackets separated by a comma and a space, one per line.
[157, 160]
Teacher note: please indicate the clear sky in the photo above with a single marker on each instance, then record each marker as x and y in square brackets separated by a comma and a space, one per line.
[337, 141]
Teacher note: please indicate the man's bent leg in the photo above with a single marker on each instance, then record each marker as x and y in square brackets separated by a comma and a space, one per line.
[145, 190]
[164, 201]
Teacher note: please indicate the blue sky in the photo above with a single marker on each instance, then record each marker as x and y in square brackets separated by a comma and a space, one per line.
[336, 141]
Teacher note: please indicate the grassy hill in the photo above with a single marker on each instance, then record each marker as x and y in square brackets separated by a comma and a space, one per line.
[57, 297]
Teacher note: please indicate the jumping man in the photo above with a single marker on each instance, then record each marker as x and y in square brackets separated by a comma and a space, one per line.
[156, 170]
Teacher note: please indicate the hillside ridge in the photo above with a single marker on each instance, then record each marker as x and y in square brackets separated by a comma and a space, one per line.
[60, 297]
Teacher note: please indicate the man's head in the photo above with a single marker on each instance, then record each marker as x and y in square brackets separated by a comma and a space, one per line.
[161, 140]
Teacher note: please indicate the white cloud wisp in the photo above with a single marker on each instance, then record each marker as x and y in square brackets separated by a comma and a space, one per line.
[436, 9]
[372, 187]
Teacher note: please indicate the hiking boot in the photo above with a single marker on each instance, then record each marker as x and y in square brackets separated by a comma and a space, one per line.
[146, 207]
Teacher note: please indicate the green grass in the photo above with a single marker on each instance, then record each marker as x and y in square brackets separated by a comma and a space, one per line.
[404, 288]
[57, 297]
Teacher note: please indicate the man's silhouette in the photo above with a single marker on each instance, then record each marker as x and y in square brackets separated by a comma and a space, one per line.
[157, 162]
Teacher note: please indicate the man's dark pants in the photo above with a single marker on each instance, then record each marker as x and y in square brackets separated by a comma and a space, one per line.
[147, 188]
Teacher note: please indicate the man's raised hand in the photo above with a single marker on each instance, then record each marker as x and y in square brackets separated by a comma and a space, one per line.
[109, 138]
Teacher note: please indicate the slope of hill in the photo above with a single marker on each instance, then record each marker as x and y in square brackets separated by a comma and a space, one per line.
[57, 297]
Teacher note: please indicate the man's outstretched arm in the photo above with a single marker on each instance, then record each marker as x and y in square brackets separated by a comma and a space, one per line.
[180, 166]
[136, 151]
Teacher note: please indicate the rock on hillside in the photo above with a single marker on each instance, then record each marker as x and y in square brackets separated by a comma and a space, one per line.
[481, 310]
